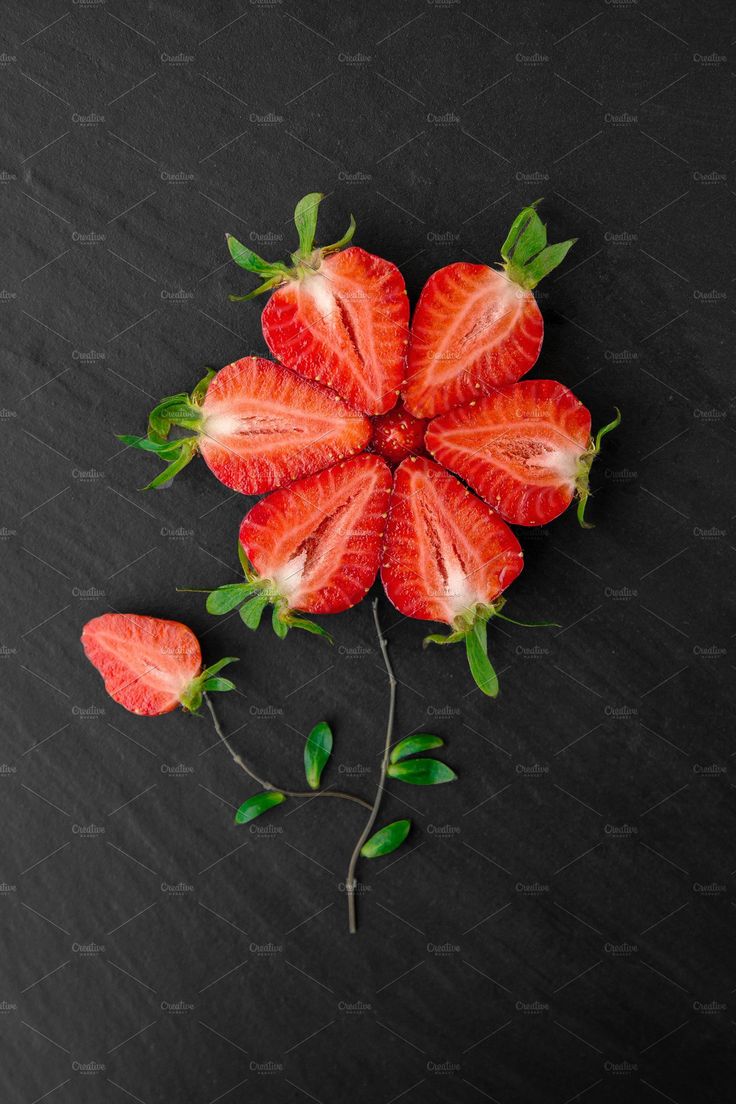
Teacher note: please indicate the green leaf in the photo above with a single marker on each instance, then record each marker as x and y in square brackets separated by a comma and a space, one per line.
[217, 667]
[186, 454]
[438, 638]
[386, 839]
[526, 238]
[252, 611]
[309, 626]
[317, 751]
[280, 624]
[245, 563]
[219, 684]
[422, 772]
[545, 261]
[257, 805]
[200, 390]
[305, 217]
[481, 667]
[343, 241]
[267, 285]
[250, 261]
[226, 598]
[420, 741]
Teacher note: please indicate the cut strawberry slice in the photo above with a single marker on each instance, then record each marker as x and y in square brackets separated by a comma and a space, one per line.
[257, 425]
[312, 547]
[339, 318]
[448, 557]
[527, 449]
[475, 328]
[150, 665]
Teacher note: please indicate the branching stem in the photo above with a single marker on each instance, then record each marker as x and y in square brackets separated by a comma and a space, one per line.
[350, 881]
[339, 794]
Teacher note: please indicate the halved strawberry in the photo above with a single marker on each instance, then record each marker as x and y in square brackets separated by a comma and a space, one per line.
[150, 665]
[312, 547]
[256, 424]
[526, 449]
[341, 318]
[448, 557]
[475, 328]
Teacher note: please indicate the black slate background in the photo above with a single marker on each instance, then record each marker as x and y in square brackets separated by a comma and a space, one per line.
[562, 927]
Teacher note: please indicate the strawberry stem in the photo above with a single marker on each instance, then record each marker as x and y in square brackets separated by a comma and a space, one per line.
[527, 257]
[350, 882]
[582, 482]
[341, 795]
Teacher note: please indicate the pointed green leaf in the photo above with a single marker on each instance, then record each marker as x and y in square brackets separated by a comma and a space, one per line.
[438, 638]
[422, 772]
[245, 563]
[226, 598]
[252, 611]
[545, 261]
[200, 390]
[317, 751]
[250, 261]
[217, 667]
[257, 805]
[185, 455]
[343, 241]
[309, 626]
[420, 741]
[219, 684]
[386, 839]
[527, 237]
[305, 218]
[481, 667]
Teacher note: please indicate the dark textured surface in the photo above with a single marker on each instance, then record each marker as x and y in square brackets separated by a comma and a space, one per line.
[563, 927]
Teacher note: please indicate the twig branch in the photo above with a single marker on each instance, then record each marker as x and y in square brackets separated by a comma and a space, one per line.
[350, 881]
[339, 794]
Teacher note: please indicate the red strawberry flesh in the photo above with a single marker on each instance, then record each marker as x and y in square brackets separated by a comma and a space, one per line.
[446, 551]
[147, 663]
[346, 325]
[398, 434]
[522, 449]
[264, 426]
[319, 540]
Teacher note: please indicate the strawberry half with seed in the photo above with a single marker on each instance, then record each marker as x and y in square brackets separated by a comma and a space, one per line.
[312, 547]
[476, 328]
[341, 318]
[256, 424]
[150, 666]
[527, 449]
[448, 557]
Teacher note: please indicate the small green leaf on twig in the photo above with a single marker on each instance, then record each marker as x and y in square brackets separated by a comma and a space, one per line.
[420, 741]
[422, 772]
[258, 804]
[317, 751]
[386, 839]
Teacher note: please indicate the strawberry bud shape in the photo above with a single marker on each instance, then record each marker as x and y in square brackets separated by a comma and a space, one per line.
[257, 426]
[150, 665]
[337, 315]
[477, 328]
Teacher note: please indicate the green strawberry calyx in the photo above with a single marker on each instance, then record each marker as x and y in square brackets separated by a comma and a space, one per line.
[251, 599]
[304, 261]
[582, 480]
[526, 255]
[207, 681]
[183, 411]
[471, 626]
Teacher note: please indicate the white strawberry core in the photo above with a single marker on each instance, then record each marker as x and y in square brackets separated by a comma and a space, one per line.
[318, 286]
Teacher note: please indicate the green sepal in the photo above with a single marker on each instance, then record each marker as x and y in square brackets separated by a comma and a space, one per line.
[252, 611]
[258, 804]
[279, 623]
[317, 752]
[191, 698]
[481, 668]
[267, 285]
[343, 241]
[526, 255]
[251, 262]
[386, 839]
[438, 638]
[308, 626]
[187, 450]
[305, 219]
[582, 482]
[420, 741]
[527, 624]
[247, 566]
[228, 597]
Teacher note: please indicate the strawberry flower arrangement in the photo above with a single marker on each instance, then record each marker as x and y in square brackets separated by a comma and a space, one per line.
[378, 446]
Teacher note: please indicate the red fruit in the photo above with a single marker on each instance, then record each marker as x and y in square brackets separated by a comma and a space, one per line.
[527, 449]
[339, 318]
[315, 546]
[257, 426]
[398, 434]
[446, 551]
[149, 665]
[448, 558]
[475, 328]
